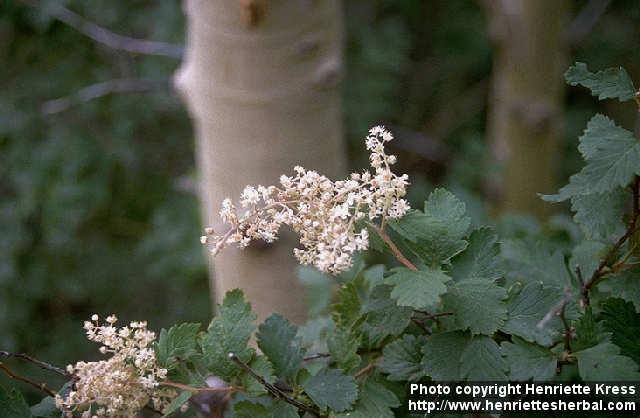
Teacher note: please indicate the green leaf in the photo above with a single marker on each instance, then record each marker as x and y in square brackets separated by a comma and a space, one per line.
[621, 319]
[537, 262]
[586, 255]
[482, 361]
[528, 361]
[343, 347]
[12, 404]
[603, 363]
[418, 289]
[177, 402]
[600, 214]
[375, 400]
[442, 355]
[477, 304]
[383, 316]
[248, 409]
[332, 389]
[179, 342]
[612, 83]
[264, 369]
[318, 289]
[272, 409]
[613, 159]
[46, 408]
[589, 333]
[480, 259]
[277, 340]
[281, 409]
[624, 285]
[436, 235]
[401, 359]
[349, 311]
[526, 310]
[229, 332]
[314, 333]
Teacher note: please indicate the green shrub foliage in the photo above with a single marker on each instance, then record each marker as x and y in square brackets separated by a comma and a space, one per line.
[457, 304]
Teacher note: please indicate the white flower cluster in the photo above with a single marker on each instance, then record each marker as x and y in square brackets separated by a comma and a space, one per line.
[322, 212]
[125, 383]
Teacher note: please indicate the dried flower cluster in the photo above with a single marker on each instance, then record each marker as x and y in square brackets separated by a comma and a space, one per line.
[125, 383]
[325, 214]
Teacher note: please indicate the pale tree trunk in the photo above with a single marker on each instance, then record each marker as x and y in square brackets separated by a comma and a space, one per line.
[526, 100]
[261, 80]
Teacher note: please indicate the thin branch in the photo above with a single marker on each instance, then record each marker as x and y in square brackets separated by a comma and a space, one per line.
[105, 36]
[105, 88]
[194, 389]
[316, 356]
[366, 369]
[40, 386]
[39, 363]
[603, 268]
[273, 390]
[394, 249]
[421, 324]
[559, 311]
[586, 20]
[432, 315]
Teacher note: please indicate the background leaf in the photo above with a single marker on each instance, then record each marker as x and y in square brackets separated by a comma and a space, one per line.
[612, 83]
[528, 361]
[603, 363]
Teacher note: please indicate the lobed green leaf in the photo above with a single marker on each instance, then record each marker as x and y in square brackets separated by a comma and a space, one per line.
[612, 83]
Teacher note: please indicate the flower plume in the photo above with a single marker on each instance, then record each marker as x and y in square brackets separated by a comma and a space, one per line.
[122, 385]
[325, 214]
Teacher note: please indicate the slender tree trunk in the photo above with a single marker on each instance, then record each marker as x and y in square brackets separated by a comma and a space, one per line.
[526, 99]
[261, 80]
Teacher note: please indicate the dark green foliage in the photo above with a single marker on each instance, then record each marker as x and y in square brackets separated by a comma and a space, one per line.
[528, 308]
[277, 340]
[178, 343]
[374, 400]
[12, 404]
[612, 83]
[175, 405]
[477, 305]
[229, 332]
[448, 345]
[481, 360]
[401, 358]
[528, 361]
[588, 332]
[331, 388]
[45, 409]
[623, 322]
[97, 211]
[612, 156]
[418, 289]
[343, 347]
[437, 234]
[603, 363]
[481, 258]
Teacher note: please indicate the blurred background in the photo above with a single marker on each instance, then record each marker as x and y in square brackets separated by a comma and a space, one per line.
[98, 204]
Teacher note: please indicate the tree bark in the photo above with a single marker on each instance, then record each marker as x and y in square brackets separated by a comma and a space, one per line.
[261, 81]
[525, 124]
